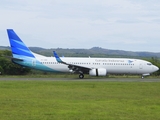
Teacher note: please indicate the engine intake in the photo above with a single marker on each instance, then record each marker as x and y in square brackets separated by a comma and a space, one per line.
[98, 72]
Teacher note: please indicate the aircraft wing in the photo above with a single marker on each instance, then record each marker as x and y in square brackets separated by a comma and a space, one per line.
[74, 68]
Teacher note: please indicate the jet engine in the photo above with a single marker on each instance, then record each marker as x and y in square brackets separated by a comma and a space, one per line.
[98, 72]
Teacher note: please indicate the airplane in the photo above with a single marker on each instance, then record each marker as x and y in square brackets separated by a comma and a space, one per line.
[23, 56]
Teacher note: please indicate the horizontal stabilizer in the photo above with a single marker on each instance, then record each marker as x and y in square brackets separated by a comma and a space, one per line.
[12, 58]
[16, 59]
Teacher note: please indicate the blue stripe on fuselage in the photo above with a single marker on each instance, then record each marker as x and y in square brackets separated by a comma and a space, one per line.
[33, 63]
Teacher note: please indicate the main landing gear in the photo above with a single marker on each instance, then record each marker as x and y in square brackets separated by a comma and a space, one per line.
[81, 76]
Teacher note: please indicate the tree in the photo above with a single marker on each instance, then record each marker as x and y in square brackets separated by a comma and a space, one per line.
[9, 68]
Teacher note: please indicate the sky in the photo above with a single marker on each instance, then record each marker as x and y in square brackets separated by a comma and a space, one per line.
[131, 25]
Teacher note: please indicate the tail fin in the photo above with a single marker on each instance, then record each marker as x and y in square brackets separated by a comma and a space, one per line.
[17, 46]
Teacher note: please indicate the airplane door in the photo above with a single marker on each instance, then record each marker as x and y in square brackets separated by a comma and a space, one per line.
[33, 63]
[140, 66]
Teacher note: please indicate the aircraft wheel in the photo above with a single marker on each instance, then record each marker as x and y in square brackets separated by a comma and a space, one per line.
[81, 76]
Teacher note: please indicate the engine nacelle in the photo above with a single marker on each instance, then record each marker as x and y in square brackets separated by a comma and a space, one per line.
[71, 71]
[98, 72]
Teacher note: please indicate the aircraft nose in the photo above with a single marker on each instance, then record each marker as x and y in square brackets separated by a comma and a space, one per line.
[156, 68]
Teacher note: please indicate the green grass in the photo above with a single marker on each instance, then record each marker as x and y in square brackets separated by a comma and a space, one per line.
[79, 100]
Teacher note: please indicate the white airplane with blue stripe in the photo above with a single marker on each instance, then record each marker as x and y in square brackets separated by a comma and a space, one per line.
[23, 56]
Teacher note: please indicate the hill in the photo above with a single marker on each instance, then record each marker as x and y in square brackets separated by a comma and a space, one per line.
[93, 52]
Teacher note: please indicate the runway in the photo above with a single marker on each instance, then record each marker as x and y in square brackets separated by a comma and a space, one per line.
[77, 79]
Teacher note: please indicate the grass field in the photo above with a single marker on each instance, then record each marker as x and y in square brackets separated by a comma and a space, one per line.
[79, 100]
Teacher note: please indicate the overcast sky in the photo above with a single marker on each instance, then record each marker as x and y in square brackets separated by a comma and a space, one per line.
[132, 25]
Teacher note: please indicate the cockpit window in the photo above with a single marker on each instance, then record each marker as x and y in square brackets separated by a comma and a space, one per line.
[149, 64]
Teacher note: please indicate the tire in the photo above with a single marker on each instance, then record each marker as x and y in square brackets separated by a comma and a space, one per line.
[81, 76]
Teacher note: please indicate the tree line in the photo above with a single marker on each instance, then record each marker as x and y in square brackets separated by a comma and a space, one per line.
[7, 67]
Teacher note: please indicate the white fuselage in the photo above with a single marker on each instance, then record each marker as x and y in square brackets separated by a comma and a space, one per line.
[112, 65]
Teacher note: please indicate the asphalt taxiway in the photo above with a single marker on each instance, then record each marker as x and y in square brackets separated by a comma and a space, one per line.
[87, 79]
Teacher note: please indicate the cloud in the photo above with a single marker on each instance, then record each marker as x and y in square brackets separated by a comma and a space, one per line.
[82, 24]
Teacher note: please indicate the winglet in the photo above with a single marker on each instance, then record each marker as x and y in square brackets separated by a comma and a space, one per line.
[57, 57]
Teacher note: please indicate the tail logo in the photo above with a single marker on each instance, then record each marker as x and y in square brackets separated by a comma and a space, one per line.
[17, 45]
